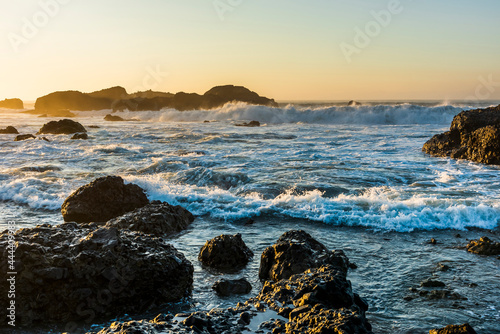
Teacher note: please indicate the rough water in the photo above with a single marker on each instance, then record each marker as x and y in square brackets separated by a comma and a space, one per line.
[354, 177]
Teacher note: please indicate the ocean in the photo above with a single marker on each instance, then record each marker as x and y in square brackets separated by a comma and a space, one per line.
[353, 177]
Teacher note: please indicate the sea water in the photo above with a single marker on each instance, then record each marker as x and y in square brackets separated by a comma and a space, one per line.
[353, 177]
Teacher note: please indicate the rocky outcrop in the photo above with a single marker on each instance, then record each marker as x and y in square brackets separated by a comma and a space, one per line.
[225, 252]
[72, 100]
[24, 137]
[454, 329]
[103, 199]
[112, 94]
[113, 118]
[474, 135]
[353, 103]
[52, 113]
[484, 246]
[83, 273]
[157, 218]
[9, 130]
[64, 126]
[226, 287]
[250, 124]
[77, 136]
[296, 252]
[12, 104]
[230, 93]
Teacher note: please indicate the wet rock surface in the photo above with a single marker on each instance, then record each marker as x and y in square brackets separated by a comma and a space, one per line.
[225, 252]
[114, 118]
[474, 135]
[85, 272]
[226, 287]
[82, 136]
[9, 130]
[250, 124]
[484, 246]
[295, 252]
[64, 126]
[24, 137]
[103, 199]
[454, 329]
[157, 218]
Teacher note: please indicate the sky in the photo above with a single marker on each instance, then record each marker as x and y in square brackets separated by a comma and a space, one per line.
[289, 50]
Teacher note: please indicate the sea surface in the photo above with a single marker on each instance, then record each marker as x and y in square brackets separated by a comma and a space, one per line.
[353, 177]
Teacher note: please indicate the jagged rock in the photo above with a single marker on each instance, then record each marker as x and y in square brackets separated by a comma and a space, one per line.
[250, 124]
[12, 104]
[64, 126]
[9, 130]
[157, 218]
[454, 329]
[295, 252]
[77, 136]
[353, 103]
[484, 246]
[225, 252]
[24, 137]
[103, 199]
[226, 287]
[74, 100]
[474, 135]
[81, 273]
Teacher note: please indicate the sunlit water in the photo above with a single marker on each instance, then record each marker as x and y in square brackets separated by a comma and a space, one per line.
[355, 178]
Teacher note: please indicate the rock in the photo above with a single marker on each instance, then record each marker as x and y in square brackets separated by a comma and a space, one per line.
[74, 100]
[225, 252]
[113, 118]
[24, 137]
[113, 93]
[9, 130]
[454, 329]
[226, 287]
[51, 113]
[83, 273]
[430, 283]
[94, 127]
[484, 246]
[250, 124]
[230, 93]
[432, 241]
[64, 126]
[474, 135]
[83, 136]
[44, 138]
[353, 103]
[103, 199]
[296, 252]
[12, 104]
[157, 218]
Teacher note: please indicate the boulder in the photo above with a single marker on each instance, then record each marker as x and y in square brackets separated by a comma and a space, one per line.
[113, 118]
[225, 252]
[157, 218]
[474, 135]
[230, 93]
[77, 136]
[12, 104]
[295, 252]
[103, 199]
[353, 103]
[24, 137]
[83, 273]
[64, 126]
[454, 329]
[484, 246]
[226, 287]
[9, 130]
[250, 124]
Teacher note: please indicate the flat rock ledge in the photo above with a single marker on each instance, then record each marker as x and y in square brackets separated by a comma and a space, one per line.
[474, 135]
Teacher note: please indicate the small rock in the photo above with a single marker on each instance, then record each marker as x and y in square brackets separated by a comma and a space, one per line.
[484, 246]
[225, 252]
[454, 329]
[82, 136]
[225, 287]
[24, 137]
[64, 126]
[9, 130]
[250, 124]
[430, 283]
[113, 118]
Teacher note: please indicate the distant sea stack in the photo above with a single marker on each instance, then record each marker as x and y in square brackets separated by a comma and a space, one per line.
[118, 99]
[12, 104]
[474, 135]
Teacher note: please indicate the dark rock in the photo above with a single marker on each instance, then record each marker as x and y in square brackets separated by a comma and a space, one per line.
[44, 138]
[113, 118]
[430, 283]
[245, 318]
[474, 135]
[250, 124]
[294, 253]
[113, 93]
[51, 113]
[225, 252]
[454, 329]
[83, 273]
[226, 287]
[9, 130]
[24, 137]
[77, 136]
[353, 103]
[230, 93]
[433, 241]
[64, 126]
[94, 127]
[12, 104]
[484, 246]
[103, 199]
[74, 100]
[157, 218]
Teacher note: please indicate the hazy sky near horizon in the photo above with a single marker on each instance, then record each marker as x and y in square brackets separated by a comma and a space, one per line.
[284, 49]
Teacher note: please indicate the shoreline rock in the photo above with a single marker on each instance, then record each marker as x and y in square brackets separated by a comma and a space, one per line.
[225, 253]
[454, 329]
[64, 126]
[10, 130]
[484, 246]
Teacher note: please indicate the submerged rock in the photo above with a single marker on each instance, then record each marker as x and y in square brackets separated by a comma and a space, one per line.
[484, 246]
[9, 130]
[474, 135]
[157, 218]
[77, 136]
[454, 329]
[103, 199]
[250, 124]
[64, 126]
[225, 252]
[24, 137]
[113, 118]
[83, 273]
[353, 103]
[226, 287]
[295, 252]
